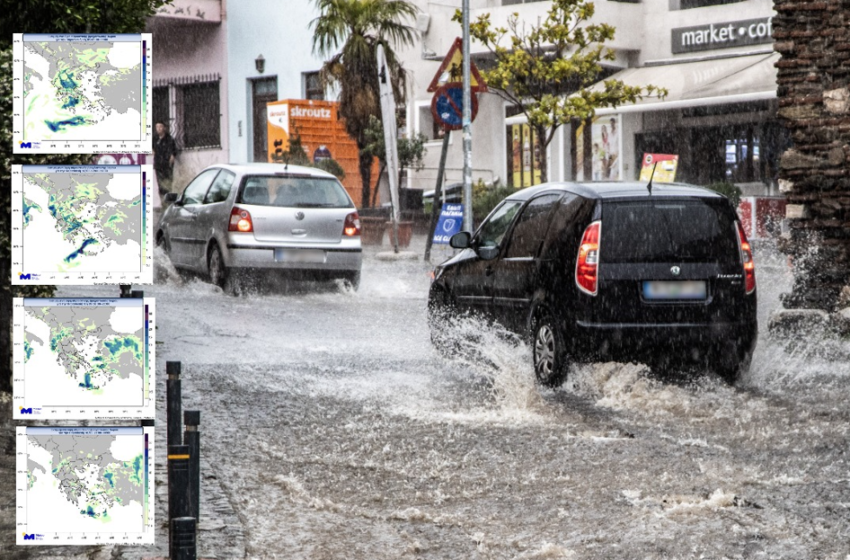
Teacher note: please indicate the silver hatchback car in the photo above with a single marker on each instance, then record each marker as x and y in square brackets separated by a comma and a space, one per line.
[235, 220]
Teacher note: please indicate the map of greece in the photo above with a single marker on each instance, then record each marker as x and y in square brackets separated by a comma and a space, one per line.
[86, 221]
[84, 480]
[83, 353]
[82, 90]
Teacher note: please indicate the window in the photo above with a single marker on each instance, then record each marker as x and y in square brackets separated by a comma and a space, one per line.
[294, 192]
[493, 230]
[530, 230]
[191, 107]
[220, 189]
[201, 115]
[427, 125]
[313, 86]
[196, 190]
[690, 4]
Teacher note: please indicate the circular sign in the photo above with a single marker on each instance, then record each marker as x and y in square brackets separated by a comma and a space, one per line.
[447, 106]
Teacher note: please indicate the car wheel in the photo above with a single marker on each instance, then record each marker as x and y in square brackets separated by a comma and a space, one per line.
[215, 265]
[440, 309]
[731, 365]
[353, 280]
[549, 352]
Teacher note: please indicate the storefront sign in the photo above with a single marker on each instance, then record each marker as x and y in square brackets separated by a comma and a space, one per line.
[664, 166]
[722, 35]
[450, 222]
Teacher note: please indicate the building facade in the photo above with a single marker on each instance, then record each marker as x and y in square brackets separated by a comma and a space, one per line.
[190, 82]
[715, 58]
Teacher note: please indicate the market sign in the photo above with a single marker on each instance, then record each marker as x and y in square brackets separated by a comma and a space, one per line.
[722, 35]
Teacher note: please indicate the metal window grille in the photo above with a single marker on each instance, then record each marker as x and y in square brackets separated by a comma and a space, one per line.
[191, 106]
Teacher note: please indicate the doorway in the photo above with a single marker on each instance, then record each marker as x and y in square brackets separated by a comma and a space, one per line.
[263, 90]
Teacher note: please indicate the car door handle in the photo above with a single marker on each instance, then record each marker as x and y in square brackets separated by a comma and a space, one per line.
[299, 232]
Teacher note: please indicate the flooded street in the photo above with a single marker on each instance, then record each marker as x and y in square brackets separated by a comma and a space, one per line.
[336, 431]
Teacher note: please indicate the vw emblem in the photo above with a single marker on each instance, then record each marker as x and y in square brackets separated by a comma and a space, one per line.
[299, 216]
[675, 270]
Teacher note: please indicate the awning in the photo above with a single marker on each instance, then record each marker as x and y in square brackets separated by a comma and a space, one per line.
[700, 83]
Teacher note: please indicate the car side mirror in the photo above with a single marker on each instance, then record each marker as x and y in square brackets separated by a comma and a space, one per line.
[171, 198]
[461, 240]
[488, 253]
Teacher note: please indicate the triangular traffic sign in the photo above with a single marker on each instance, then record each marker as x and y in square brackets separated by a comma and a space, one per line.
[451, 70]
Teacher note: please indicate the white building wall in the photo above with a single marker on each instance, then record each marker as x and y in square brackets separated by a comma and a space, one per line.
[280, 31]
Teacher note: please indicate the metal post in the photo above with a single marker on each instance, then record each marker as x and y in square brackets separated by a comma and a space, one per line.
[178, 484]
[174, 405]
[438, 196]
[467, 124]
[184, 539]
[192, 439]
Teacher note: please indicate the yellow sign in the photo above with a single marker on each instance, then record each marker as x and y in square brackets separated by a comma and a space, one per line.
[665, 166]
[451, 70]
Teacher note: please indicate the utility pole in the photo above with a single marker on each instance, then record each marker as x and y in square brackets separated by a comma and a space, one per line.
[467, 124]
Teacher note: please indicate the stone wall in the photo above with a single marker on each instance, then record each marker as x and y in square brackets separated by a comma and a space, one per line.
[814, 103]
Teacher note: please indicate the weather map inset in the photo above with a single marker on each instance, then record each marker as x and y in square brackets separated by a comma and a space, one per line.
[84, 485]
[81, 225]
[83, 358]
[81, 93]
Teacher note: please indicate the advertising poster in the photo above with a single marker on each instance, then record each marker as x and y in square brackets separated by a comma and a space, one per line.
[526, 156]
[665, 171]
[579, 168]
[322, 134]
[606, 148]
[516, 154]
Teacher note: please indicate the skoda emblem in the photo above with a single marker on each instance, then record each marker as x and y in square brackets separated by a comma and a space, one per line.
[299, 216]
[675, 270]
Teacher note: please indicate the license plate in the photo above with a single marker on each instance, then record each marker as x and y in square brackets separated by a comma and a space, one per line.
[687, 289]
[300, 255]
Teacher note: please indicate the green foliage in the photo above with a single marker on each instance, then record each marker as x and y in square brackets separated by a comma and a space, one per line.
[729, 190]
[545, 69]
[295, 153]
[332, 166]
[356, 28]
[76, 16]
[486, 197]
[411, 151]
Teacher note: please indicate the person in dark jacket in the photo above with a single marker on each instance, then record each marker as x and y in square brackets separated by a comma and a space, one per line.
[164, 151]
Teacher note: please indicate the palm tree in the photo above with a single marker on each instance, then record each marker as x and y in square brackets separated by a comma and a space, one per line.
[349, 32]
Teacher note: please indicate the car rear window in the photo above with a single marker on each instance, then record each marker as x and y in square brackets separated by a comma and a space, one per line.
[294, 191]
[664, 230]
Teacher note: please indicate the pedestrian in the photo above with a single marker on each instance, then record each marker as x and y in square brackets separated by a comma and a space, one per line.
[164, 151]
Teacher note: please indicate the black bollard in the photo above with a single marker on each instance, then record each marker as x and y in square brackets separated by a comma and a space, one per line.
[174, 404]
[125, 290]
[184, 539]
[192, 440]
[178, 484]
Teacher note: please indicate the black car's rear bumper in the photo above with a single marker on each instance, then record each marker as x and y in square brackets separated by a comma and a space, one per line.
[661, 341]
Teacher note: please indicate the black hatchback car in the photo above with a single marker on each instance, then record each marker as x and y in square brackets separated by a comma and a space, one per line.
[608, 271]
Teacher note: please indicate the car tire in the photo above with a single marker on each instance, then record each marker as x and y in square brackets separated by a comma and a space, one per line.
[217, 272]
[353, 280]
[440, 308]
[731, 365]
[549, 351]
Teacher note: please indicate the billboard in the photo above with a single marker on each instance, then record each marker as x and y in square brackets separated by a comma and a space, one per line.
[322, 134]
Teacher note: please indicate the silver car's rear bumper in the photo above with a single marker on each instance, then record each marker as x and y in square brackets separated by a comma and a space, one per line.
[244, 252]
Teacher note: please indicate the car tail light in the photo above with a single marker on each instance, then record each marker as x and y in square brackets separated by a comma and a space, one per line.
[352, 225]
[747, 257]
[240, 220]
[587, 265]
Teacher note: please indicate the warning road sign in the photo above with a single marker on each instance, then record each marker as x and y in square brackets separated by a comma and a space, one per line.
[451, 71]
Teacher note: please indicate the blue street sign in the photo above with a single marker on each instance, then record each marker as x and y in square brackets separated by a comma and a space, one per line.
[447, 106]
[450, 222]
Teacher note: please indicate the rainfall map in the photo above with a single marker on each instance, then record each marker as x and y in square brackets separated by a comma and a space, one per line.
[75, 484]
[81, 88]
[83, 358]
[83, 221]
